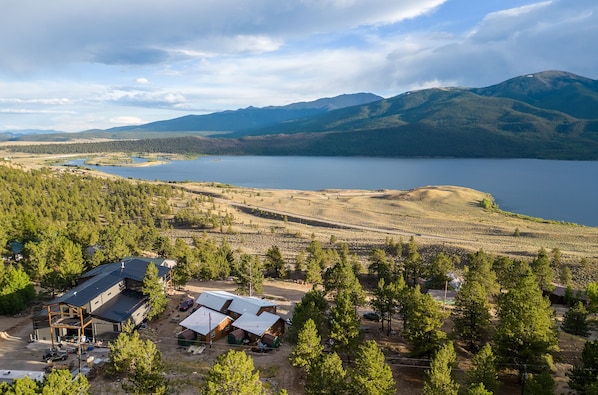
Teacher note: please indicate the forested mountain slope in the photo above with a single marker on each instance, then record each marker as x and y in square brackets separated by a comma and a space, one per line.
[548, 115]
[251, 117]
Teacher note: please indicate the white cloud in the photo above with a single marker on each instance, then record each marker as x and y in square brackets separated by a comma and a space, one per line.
[548, 35]
[146, 32]
[95, 59]
[126, 120]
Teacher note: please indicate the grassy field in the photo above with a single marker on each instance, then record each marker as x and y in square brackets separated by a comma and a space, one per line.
[441, 216]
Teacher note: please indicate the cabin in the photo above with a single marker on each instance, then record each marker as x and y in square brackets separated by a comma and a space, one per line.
[105, 299]
[208, 325]
[216, 300]
[257, 326]
[243, 319]
[560, 295]
[250, 305]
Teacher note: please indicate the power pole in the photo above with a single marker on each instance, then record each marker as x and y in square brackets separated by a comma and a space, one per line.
[210, 328]
[79, 348]
[250, 277]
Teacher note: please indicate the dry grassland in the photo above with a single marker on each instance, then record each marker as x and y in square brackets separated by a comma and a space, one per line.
[439, 217]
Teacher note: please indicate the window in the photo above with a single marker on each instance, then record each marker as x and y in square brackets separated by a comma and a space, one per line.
[212, 334]
[115, 328]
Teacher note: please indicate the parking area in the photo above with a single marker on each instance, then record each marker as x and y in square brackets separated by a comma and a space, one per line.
[18, 353]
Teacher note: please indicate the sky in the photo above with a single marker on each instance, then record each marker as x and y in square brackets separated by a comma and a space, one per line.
[73, 65]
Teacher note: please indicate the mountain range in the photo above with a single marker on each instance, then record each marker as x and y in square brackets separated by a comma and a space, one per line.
[252, 118]
[550, 114]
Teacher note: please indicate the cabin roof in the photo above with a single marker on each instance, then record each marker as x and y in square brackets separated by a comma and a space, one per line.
[203, 320]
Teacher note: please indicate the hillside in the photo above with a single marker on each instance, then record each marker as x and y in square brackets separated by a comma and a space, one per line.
[251, 118]
[548, 115]
[546, 102]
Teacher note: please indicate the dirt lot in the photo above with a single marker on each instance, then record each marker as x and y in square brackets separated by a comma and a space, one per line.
[184, 370]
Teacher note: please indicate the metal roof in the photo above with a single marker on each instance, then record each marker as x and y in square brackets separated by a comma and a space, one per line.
[215, 300]
[256, 324]
[105, 276]
[120, 308]
[203, 320]
[252, 305]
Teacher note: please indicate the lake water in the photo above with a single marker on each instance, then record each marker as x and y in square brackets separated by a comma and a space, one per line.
[557, 190]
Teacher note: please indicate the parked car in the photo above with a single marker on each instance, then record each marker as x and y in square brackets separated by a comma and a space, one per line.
[372, 316]
[56, 355]
[186, 305]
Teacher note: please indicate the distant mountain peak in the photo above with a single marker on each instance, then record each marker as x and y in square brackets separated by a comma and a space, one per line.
[552, 89]
[251, 117]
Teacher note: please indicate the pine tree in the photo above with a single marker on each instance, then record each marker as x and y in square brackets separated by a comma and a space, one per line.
[275, 263]
[438, 378]
[480, 270]
[423, 319]
[309, 346]
[483, 370]
[439, 268]
[592, 295]
[371, 375]
[344, 327]
[478, 389]
[313, 272]
[22, 386]
[472, 313]
[386, 299]
[137, 361]
[414, 263]
[585, 374]
[565, 276]
[61, 381]
[555, 262]
[326, 376]
[341, 277]
[16, 290]
[233, 373]
[575, 320]
[379, 264]
[312, 306]
[153, 289]
[540, 384]
[250, 276]
[541, 268]
[526, 333]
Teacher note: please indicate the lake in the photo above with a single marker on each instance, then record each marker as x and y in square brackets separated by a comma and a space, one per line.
[550, 189]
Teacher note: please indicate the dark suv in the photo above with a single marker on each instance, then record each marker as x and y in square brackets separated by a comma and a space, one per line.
[186, 305]
[372, 316]
[57, 355]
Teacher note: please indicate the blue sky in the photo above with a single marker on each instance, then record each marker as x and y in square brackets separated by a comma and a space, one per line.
[76, 65]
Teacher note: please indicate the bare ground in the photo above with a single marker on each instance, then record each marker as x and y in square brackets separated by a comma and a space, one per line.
[439, 218]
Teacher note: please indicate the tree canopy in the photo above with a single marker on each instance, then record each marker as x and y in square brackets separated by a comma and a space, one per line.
[526, 333]
[154, 290]
[138, 362]
[233, 373]
[371, 375]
